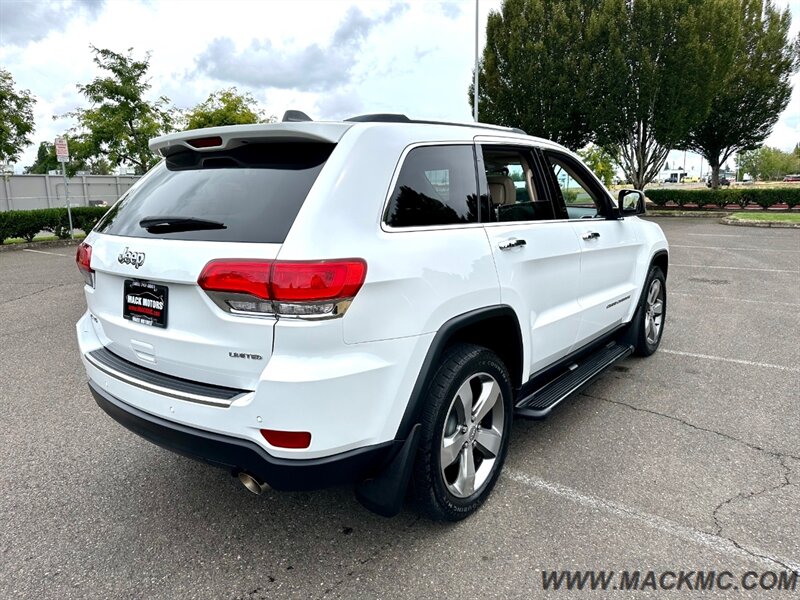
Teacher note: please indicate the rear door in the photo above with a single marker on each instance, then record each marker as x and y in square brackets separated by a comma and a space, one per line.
[151, 247]
[536, 251]
[609, 246]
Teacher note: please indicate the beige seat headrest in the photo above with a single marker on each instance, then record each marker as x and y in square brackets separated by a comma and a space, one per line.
[502, 190]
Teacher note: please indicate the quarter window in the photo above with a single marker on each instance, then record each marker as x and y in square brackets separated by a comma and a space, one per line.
[436, 186]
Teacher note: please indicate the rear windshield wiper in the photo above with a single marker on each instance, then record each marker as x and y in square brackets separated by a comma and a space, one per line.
[170, 224]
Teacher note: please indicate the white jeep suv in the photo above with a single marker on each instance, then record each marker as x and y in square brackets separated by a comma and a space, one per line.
[369, 301]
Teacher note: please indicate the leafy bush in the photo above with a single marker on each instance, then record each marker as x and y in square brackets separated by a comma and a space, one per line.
[763, 197]
[5, 227]
[86, 217]
[27, 223]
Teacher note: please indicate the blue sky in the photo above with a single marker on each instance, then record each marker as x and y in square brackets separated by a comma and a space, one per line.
[330, 58]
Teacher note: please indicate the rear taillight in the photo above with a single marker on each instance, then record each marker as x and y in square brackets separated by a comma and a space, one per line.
[83, 258]
[308, 289]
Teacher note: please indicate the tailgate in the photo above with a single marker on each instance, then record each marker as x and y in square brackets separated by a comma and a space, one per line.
[198, 340]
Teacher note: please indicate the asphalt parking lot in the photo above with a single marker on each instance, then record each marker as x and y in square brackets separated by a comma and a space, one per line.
[687, 460]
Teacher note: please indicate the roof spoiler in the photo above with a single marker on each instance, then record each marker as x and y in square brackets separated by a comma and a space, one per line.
[231, 136]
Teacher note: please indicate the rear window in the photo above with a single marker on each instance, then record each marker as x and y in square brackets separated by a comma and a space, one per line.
[255, 191]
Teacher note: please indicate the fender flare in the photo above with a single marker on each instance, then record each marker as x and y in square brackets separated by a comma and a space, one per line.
[445, 333]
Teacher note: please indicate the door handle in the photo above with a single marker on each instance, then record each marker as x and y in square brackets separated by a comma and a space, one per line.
[590, 235]
[512, 243]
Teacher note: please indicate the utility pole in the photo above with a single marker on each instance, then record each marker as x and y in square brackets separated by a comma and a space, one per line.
[475, 86]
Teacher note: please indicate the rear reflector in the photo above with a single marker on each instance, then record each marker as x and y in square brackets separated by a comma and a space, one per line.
[287, 439]
[83, 258]
[206, 142]
[301, 289]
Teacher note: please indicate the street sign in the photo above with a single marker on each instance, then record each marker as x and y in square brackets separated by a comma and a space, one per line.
[62, 152]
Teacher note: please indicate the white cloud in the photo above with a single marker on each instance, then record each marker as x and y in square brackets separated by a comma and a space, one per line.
[329, 58]
[25, 21]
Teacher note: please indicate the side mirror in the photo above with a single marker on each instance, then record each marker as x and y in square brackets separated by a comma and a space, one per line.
[630, 202]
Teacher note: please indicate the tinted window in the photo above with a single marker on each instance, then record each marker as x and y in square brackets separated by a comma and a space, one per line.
[512, 184]
[255, 190]
[436, 186]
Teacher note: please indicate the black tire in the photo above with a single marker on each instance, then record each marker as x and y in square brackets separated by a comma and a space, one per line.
[474, 368]
[639, 334]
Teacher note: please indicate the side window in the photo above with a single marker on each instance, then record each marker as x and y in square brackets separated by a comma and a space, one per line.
[515, 192]
[580, 195]
[436, 186]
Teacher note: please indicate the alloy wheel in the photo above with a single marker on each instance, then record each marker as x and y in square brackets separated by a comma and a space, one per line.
[654, 312]
[472, 435]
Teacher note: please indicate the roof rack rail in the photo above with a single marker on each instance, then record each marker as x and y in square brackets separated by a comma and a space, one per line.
[398, 118]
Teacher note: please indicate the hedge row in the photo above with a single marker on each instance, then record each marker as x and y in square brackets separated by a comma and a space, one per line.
[27, 223]
[764, 197]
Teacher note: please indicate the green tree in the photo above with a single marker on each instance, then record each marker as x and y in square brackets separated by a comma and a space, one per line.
[754, 91]
[600, 161]
[628, 74]
[80, 159]
[768, 163]
[46, 160]
[16, 118]
[536, 69]
[120, 121]
[225, 107]
[660, 67]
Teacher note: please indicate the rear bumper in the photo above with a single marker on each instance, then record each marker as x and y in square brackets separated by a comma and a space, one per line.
[242, 455]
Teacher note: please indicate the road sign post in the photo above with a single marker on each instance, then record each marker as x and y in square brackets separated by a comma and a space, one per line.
[62, 154]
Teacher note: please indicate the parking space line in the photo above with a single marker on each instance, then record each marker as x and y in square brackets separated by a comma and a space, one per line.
[715, 542]
[729, 299]
[715, 234]
[746, 249]
[43, 252]
[737, 361]
[735, 268]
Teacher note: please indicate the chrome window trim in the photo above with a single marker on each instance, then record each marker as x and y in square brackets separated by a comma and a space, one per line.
[483, 140]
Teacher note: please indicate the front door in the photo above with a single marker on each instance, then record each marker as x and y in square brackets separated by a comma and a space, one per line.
[609, 246]
[536, 255]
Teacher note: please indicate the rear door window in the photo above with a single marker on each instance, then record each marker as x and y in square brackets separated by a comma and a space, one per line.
[436, 186]
[255, 191]
[515, 186]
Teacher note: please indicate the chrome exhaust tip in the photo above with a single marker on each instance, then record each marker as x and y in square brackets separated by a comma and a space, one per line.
[251, 483]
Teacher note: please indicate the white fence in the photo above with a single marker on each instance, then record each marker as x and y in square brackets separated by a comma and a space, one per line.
[24, 192]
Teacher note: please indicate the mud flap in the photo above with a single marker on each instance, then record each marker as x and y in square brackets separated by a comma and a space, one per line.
[384, 494]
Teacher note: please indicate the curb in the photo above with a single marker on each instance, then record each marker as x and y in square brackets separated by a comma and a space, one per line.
[48, 244]
[738, 223]
[692, 215]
